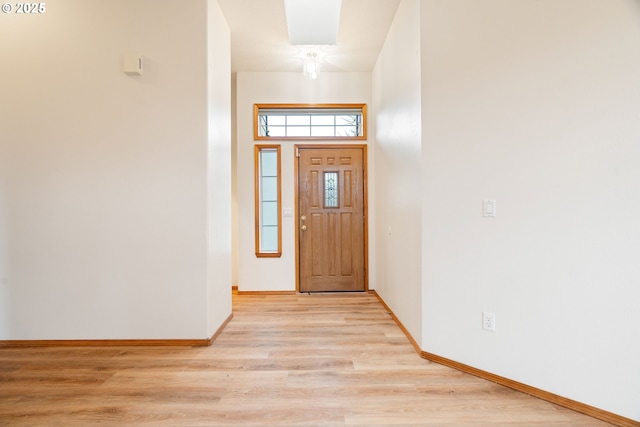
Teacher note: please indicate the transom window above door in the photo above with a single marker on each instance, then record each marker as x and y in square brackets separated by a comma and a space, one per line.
[310, 121]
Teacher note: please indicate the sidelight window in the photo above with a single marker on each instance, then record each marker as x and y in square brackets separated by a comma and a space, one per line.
[268, 201]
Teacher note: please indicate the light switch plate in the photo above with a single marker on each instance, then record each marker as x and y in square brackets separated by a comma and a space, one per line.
[489, 207]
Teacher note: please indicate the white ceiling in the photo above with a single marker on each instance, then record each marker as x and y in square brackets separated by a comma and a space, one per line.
[260, 40]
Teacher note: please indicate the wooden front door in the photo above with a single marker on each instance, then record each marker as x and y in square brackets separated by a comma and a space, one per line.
[331, 220]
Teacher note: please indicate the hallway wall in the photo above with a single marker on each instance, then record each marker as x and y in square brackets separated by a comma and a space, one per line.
[398, 156]
[534, 104]
[104, 177]
[219, 169]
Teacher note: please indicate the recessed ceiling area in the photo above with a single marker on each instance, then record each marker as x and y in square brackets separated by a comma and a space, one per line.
[260, 36]
[313, 22]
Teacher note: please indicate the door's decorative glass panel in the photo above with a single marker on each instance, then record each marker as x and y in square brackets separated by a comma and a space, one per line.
[331, 189]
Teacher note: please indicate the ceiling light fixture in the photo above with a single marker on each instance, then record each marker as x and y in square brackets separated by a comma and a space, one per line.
[311, 67]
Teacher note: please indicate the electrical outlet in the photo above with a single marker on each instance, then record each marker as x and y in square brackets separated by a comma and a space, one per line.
[488, 321]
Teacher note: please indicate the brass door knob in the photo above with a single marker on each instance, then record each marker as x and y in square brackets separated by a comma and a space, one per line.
[304, 227]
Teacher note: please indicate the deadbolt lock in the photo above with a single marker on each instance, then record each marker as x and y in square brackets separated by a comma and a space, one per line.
[303, 218]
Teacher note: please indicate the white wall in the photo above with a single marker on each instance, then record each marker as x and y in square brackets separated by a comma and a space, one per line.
[105, 175]
[396, 83]
[278, 274]
[535, 104]
[5, 296]
[219, 277]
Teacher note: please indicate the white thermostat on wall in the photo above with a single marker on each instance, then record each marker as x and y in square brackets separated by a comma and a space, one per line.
[132, 64]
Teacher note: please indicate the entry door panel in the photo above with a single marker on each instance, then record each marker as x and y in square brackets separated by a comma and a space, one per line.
[331, 197]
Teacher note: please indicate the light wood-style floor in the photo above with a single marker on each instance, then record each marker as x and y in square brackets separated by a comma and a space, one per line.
[284, 360]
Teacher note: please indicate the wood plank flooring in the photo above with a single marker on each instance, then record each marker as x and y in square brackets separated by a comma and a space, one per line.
[283, 360]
